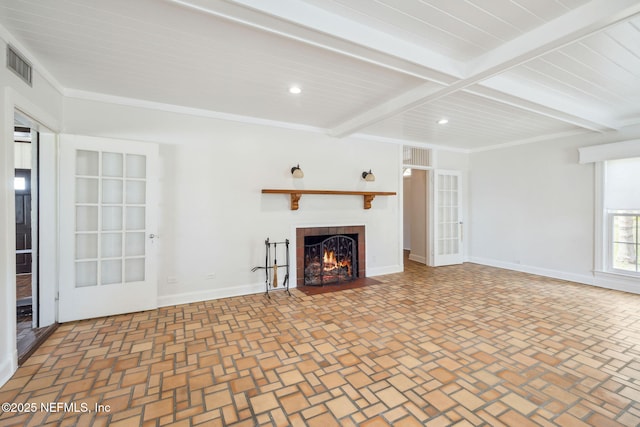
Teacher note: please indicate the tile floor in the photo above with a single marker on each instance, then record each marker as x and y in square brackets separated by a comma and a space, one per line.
[465, 346]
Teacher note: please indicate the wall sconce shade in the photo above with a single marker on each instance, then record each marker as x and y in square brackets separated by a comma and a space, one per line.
[368, 176]
[297, 172]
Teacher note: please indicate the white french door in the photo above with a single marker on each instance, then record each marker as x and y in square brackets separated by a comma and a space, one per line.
[107, 225]
[447, 215]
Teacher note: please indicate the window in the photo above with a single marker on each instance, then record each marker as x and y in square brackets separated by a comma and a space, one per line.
[625, 245]
[19, 183]
[622, 216]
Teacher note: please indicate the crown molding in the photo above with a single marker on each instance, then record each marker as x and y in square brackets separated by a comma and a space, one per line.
[190, 111]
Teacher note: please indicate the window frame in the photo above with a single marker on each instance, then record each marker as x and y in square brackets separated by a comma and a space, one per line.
[603, 250]
[597, 155]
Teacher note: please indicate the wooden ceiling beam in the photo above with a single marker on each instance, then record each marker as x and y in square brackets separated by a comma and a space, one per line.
[443, 76]
[318, 27]
[569, 28]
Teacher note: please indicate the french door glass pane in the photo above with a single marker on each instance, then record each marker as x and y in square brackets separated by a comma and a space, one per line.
[86, 190]
[86, 246]
[108, 181]
[135, 218]
[448, 229]
[111, 245]
[112, 164]
[86, 218]
[111, 272]
[135, 244]
[136, 166]
[112, 191]
[111, 218]
[86, 274]
[87, 163]
[136, 192]
[448, 215]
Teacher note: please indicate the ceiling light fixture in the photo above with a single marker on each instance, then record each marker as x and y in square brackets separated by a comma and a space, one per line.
[443, 121]
[295, 90]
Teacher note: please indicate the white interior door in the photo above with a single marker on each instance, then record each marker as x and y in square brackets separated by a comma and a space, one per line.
[447, 215]
[108, 208]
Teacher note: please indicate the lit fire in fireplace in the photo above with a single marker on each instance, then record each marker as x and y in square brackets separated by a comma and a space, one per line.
[330, 255]
[330, 259]
[330, 262]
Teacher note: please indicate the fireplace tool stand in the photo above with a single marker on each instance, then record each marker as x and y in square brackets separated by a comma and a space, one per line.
[271, 267]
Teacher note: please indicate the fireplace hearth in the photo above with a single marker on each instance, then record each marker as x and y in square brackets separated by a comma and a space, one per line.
[329, 255]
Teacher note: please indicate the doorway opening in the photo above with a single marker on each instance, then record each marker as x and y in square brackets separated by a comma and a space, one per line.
[26, 189]
[417, 163]
[416, 215]
[432, 205]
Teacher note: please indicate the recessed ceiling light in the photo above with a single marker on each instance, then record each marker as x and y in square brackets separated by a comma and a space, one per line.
[295, 90]
[443, 121]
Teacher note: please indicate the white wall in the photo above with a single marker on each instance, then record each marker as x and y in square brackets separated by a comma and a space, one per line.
[213, 217]
[532, 207]
[452, 160]
[43, 103]
[8, 355]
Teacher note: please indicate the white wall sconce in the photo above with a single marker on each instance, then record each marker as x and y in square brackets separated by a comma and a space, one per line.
[297, 172]
[368, 176]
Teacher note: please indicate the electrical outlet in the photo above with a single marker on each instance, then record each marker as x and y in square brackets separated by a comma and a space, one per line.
[211, 276]
[172, 279]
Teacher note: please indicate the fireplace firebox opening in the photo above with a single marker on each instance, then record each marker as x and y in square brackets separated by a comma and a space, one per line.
[329, 255]
[330, 259]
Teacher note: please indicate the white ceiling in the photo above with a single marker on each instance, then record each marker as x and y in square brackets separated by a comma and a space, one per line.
[501, 71]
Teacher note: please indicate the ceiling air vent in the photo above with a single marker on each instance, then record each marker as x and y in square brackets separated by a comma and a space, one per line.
[17, 64]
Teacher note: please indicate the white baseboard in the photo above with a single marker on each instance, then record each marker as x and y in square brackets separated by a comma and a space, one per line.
[616, 282]
[210, 294]
[235, 291]
[555, 274]
[416, 258]
[8, 367]
[381, 271]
